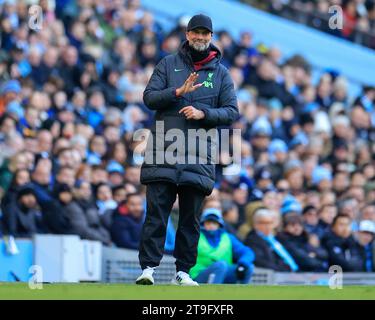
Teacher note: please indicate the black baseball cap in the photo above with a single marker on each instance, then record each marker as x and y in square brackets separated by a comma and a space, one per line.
[200, 21]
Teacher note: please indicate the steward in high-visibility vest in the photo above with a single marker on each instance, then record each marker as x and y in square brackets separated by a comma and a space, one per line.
[222, 258]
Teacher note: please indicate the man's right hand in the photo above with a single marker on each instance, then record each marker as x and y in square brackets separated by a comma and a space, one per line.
[241, 272]
[189, 86]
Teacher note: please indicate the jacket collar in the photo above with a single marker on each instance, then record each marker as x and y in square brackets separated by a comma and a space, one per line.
[184, 53]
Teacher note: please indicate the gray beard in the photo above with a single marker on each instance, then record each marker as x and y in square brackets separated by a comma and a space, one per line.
[200, 46]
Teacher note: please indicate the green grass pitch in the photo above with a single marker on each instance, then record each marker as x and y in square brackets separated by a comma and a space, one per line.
[159, 292]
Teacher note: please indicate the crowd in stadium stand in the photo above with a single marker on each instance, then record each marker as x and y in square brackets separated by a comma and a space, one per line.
[358, 16]
[71, 98]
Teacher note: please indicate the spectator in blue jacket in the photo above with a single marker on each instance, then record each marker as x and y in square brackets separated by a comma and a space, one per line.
[222, 258]
[326, 215]
[310, 219]
[41, 180]
[127, 222]
[365, 237]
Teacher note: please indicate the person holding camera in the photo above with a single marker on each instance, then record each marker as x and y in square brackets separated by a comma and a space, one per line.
[222, 258]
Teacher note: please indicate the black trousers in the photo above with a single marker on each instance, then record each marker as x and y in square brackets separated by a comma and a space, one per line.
[160, 197]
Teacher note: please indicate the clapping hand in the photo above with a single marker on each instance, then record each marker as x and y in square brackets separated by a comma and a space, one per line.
[188, 85]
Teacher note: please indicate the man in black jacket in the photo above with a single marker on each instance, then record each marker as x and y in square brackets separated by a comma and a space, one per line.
[181, 104]
[343, 249]
[23, 218]
[84, 223]
[304, 248]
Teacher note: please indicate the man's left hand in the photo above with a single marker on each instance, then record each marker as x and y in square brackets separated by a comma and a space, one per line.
[192, 113]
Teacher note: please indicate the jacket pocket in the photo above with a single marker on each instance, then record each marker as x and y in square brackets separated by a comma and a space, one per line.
[169, 122]
[169, 136]
[209, 100]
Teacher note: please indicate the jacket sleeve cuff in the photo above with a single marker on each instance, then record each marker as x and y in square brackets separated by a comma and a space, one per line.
[207, 117]
[175, 94]
[171, 95]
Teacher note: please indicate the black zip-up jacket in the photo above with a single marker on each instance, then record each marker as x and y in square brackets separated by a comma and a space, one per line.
[301, 251]
[265, 256]
[345, 252]
[216, 98]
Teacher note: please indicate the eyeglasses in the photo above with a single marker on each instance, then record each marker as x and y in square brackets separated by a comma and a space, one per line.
[282, 190]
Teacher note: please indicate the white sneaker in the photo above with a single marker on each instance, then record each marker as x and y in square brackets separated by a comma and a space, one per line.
[183, 279]
[146, 277]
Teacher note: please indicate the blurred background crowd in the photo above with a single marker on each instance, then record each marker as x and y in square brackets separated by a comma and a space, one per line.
[357, 16]
[71, 99]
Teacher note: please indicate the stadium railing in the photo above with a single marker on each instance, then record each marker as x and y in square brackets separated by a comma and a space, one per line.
[70, 259]
[121, 265]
